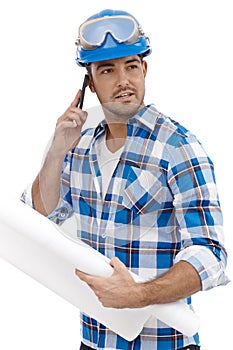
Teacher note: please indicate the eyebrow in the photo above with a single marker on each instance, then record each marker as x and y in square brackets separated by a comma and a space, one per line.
[109, 64]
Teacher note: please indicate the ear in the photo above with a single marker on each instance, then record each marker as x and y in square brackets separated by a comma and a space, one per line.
[144, 67]
[91, 85]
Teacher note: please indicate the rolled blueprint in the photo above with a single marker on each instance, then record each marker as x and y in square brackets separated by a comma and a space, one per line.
[37, 247]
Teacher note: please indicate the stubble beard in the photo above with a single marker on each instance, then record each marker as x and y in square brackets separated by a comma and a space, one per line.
[121, 111]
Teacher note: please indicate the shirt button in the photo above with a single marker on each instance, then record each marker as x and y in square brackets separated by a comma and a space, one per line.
[104, 235]
[63, 213]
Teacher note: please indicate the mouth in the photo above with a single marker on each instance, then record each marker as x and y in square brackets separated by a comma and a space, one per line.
[124, 96]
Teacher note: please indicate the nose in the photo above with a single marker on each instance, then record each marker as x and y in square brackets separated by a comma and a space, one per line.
[122, 78]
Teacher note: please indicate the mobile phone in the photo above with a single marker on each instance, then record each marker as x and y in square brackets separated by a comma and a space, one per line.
[85, 83]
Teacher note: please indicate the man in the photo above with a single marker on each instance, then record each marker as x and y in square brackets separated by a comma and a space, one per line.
[140, 186]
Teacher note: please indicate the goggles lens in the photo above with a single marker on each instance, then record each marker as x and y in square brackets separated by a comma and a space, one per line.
[124, 29]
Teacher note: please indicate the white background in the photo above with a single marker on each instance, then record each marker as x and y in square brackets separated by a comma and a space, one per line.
[189, 78]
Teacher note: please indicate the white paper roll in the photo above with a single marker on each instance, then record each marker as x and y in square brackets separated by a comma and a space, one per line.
[36, 246]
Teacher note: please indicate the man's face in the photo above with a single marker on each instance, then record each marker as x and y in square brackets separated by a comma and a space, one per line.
[119, 85]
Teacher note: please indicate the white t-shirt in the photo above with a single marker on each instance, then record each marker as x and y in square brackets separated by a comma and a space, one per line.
[107, 162]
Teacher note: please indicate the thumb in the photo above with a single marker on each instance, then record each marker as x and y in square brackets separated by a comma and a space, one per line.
[117, 264]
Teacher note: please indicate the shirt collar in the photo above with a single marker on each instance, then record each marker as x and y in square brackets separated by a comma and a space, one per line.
[147, 116]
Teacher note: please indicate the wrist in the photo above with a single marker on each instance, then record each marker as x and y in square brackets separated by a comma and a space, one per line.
[142, 293]
[56, 155]
[149, 293]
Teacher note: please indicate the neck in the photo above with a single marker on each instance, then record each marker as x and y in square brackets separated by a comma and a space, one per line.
[117, 118]
[116, 136]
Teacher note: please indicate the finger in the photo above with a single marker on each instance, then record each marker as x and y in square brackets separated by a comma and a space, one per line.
[85, 277]
[67, 124]
[66, 116]
[117, 264]
[76, 100]
[75, 110]
[78, 118]
[60, 120]
[72, 108]
[81, 274]
[94, 282]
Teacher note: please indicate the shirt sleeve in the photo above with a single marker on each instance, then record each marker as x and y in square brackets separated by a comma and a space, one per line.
[197, 211]
[64, 209]
[26, 196]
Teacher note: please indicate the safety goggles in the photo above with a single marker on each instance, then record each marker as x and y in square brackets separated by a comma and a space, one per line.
[124, 29]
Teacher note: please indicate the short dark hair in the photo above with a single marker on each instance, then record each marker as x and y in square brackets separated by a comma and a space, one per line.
[88, 65]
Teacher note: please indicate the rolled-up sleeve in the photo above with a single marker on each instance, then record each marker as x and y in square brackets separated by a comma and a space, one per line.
[210, 269]
[26, 196]
[64, 209]
[198, 212]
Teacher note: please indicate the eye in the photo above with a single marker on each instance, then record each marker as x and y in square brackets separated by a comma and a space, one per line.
[132, 67]
[107, 71]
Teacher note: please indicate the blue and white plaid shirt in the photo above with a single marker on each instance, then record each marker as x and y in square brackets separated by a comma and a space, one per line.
[161, 207]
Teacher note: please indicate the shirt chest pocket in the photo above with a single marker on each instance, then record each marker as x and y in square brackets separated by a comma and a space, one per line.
[144, 190]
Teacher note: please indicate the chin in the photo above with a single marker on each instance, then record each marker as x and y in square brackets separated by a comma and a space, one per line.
[123, 110]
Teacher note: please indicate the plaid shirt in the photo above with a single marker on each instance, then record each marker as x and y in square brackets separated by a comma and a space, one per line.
[161, 207]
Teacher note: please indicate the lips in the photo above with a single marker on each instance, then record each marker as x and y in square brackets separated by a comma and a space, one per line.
[124, 95]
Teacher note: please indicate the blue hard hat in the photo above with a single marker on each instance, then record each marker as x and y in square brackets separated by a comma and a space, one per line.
[110, 34]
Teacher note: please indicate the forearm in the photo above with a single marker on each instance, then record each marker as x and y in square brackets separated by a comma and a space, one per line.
[46, 187]
[179, 282]
[121, 291]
